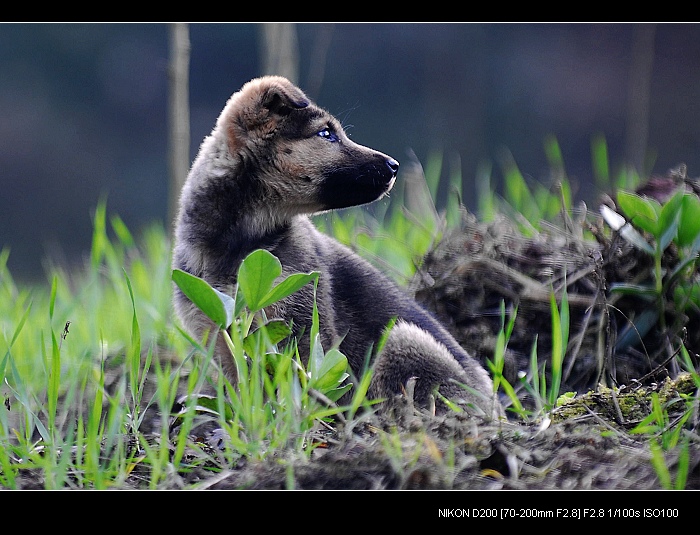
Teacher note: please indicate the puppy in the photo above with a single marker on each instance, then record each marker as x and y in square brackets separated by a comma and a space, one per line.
[272, 159]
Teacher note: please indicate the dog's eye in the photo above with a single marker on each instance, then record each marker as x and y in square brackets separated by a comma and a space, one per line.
[328, 134]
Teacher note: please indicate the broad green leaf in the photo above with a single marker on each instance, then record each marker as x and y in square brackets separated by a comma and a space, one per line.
[668, 220]
[251, 343]
[668, 230]
[671, 207]
[240, 303]
[689, 225]
[336, 393]
[331, 372]
[287, 287]
[217, 306]
[641, 211]
[316, 356]
[204, 404]
[256, 276]
[682, 295]
[275, 330]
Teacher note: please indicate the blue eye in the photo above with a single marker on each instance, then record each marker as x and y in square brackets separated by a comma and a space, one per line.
[326, 133]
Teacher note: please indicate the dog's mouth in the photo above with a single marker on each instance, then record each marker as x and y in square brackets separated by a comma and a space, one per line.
[391, 184]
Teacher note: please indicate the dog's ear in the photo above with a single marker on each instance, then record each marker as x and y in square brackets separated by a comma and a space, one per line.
[257, 109]
[281, 97]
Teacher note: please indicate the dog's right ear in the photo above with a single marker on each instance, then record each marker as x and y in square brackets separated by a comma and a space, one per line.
[256, 110]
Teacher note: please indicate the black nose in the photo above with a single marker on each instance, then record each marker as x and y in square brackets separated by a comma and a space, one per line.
[393, 165]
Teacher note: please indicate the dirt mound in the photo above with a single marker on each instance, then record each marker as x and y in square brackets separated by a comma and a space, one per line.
[614, 339]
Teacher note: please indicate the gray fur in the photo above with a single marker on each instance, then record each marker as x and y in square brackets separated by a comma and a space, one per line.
[256, 178]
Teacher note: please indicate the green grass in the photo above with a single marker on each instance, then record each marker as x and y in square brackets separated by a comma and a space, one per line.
[85, 357]
[60, 342]
[55, 343]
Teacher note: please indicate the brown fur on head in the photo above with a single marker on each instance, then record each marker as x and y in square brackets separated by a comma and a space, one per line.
[255, 111]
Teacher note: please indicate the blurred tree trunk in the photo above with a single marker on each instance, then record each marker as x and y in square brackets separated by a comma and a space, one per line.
[637, 131]
[178, 116]
[317, 63]
[280, 50]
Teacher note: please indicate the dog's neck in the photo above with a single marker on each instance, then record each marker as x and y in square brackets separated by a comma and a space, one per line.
[218, 232]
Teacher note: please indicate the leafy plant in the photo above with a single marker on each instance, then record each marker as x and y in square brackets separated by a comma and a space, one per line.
[276, 393]
[669, 233]
[653, 228]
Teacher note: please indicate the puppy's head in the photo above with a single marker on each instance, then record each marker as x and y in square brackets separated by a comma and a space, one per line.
[255, 113]
[299, 152]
